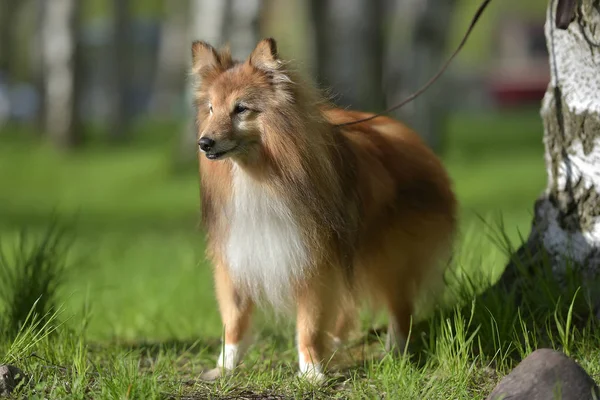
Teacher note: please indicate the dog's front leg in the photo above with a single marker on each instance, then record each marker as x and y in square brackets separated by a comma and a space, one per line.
[315, 312]
[236, 310]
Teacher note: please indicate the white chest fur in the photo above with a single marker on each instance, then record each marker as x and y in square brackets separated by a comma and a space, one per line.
[265, 250]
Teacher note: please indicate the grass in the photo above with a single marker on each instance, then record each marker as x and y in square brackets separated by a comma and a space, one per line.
[134, 315]
[459, 353]
[32, 275]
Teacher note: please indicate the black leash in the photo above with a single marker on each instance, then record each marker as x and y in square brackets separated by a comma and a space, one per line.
[416, 94]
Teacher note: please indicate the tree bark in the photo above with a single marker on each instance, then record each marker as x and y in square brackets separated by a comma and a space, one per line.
[349, 42]
[61, 69]
[424, 55]
[566, 224]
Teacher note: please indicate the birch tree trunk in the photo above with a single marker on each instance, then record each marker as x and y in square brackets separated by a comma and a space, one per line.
[60, 62]
[349, 43]
[566, 225]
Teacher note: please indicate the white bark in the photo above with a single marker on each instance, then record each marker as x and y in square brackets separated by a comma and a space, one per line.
[59, 60]
[574, 59]
[567, 216]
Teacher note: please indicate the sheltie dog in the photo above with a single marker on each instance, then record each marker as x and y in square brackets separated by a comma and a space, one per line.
[307, 215]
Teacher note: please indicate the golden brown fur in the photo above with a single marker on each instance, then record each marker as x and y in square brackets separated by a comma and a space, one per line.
[373, 206]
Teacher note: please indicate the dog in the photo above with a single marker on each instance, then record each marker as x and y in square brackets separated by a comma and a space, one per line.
[307, 216]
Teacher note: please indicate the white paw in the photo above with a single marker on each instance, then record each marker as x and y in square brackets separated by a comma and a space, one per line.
[214, 374]
[312, 372]
[230, 356]
[313, 376]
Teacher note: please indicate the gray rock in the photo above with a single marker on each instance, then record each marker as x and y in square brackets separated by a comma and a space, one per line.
[546, 375]
[10, 377]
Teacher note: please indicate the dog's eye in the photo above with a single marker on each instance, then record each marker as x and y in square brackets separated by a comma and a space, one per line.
[210, 110]
[238, 109]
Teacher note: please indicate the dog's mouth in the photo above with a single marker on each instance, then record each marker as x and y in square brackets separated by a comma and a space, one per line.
[216, 155]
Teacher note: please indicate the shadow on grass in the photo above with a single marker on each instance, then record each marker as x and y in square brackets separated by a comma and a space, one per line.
[152, 349]
[497, 325]
[529, 307]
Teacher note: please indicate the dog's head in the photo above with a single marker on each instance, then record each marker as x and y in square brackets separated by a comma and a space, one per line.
[234, 99]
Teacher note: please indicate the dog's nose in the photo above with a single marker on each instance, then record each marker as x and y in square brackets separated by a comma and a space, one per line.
[206, 143]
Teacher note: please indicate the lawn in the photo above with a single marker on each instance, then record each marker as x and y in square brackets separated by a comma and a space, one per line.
[137, 313]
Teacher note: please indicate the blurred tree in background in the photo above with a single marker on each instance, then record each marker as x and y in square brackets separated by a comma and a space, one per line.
[8, 10]
[219, 22]
[121, 69]
[361, 59]
[61, 58]
[349, 39]
[102, 65]
[410, 67]
[171, 63]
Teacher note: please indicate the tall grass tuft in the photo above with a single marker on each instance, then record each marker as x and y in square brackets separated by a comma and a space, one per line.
[32, 271]
[499, 326]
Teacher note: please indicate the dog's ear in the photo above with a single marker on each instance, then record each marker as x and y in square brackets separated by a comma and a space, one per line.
[204, 56]
[264, 56]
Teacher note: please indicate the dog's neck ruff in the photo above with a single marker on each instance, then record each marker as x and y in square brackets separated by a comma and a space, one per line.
[265, 250]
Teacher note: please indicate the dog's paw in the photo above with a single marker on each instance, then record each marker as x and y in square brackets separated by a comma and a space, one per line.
[313, 376]
[214, 374]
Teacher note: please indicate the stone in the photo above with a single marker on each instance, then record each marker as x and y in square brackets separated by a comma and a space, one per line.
[546, 375]
[10, 378]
